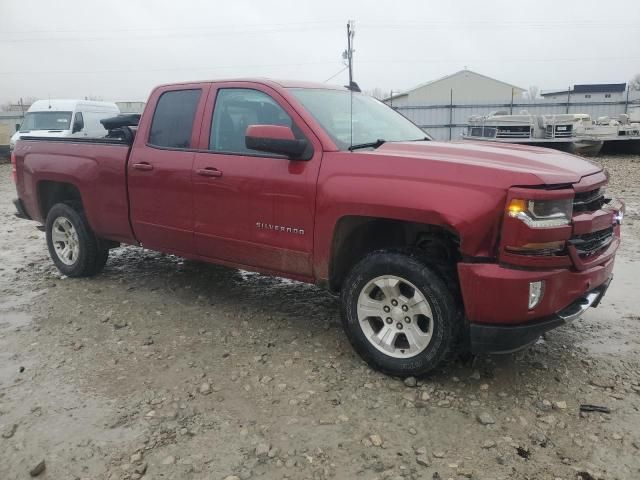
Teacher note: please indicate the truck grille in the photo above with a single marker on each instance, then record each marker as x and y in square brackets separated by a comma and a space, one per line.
[591, 243]
[588, 201]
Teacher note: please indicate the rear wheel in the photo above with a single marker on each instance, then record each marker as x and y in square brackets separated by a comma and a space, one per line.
[398, 313]
[73, 247]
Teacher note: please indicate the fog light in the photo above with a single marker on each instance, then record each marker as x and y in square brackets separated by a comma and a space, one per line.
[536, 291]
[618, 217]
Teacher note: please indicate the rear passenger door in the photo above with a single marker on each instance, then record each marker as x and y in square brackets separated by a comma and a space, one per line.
[160, 166]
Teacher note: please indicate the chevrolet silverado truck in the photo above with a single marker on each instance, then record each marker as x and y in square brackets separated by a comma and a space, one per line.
[431, 246]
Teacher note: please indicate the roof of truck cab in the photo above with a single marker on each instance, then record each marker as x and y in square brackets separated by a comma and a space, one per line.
[266, 81]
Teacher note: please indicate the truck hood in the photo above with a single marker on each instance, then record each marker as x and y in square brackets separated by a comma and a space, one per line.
[523, 165]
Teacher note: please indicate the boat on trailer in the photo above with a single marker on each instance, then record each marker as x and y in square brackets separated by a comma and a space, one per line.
[622, 134]
[552, 131]
[569, 132]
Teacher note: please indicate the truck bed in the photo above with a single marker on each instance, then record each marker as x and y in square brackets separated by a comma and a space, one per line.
[98, 166]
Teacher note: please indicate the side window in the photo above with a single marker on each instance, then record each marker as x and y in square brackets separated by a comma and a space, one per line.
[78, 122]
[172, 122]
[235, 110]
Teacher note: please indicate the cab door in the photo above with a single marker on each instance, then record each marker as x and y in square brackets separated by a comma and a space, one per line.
[253, 208]
[160, 166]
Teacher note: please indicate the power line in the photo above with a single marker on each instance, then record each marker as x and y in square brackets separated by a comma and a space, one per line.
[499, 23]
[328, 62]
[173, 36]
[336, 74]
[170, 69]
[546, 23]
[163, 29]
[500, 60]
[295, 27]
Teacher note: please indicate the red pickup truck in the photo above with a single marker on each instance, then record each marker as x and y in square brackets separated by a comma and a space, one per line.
[432, 246]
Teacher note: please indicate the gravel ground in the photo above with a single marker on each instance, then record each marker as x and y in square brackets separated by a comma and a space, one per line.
[166, 369]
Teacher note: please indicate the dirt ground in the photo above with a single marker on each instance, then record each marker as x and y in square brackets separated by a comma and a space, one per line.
[167, 369]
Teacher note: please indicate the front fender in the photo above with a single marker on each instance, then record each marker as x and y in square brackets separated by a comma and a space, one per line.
[472, 213]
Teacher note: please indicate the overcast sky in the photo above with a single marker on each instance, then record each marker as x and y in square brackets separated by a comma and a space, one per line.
[120, 49]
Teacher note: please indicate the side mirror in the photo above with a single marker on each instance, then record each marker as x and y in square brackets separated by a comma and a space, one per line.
[17, 127]
[78, 125]
[276, 139]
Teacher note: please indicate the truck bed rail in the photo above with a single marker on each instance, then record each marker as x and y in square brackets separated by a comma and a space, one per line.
[101, 141]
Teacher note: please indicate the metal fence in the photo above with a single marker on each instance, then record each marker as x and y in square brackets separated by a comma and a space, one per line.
[447, 121]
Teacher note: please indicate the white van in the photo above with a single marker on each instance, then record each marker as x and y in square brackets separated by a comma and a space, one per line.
[65, 118]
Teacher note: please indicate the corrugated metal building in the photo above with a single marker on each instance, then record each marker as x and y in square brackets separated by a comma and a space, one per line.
[595, 92]
[131, 107]
[8, 121]
[464, 85]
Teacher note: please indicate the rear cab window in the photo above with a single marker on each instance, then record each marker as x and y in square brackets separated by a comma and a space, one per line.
[172, 123]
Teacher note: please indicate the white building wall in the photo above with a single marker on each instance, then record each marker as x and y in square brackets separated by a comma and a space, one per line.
[466, 86]
[131, 107]
[589, 97]
[8, 121]
[399, 101]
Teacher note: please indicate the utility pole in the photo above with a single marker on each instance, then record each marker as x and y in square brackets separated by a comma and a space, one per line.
[626, 105]
[348, 53]
[511, 100]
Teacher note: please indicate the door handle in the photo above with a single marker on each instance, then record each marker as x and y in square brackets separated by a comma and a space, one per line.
[143, 166]
[209, 172]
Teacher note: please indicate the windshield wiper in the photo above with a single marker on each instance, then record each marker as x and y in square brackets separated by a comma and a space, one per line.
[375, 144]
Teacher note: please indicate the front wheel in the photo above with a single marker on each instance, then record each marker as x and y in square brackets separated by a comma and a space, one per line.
[398, 313]
[73, 246]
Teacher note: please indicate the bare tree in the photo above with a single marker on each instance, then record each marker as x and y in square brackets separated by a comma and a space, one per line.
[533, 92]
[15, 105]
[376, 93]
[634, 83]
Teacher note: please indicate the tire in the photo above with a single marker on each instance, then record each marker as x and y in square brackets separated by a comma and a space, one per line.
[429, 333]
[85, 255]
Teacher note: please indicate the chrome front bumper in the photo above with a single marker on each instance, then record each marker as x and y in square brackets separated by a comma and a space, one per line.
[511, 338]
[591, 299]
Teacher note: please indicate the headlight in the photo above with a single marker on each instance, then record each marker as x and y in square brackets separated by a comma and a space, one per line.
[541, 213]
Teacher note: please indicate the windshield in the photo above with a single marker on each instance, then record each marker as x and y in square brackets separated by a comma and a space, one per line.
[46, 121]
[372, 120]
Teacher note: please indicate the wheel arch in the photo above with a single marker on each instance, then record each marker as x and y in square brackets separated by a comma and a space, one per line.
[50, 192]
[356, 236]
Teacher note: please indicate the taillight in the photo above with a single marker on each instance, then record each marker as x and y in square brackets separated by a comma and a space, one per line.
[14, 170]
